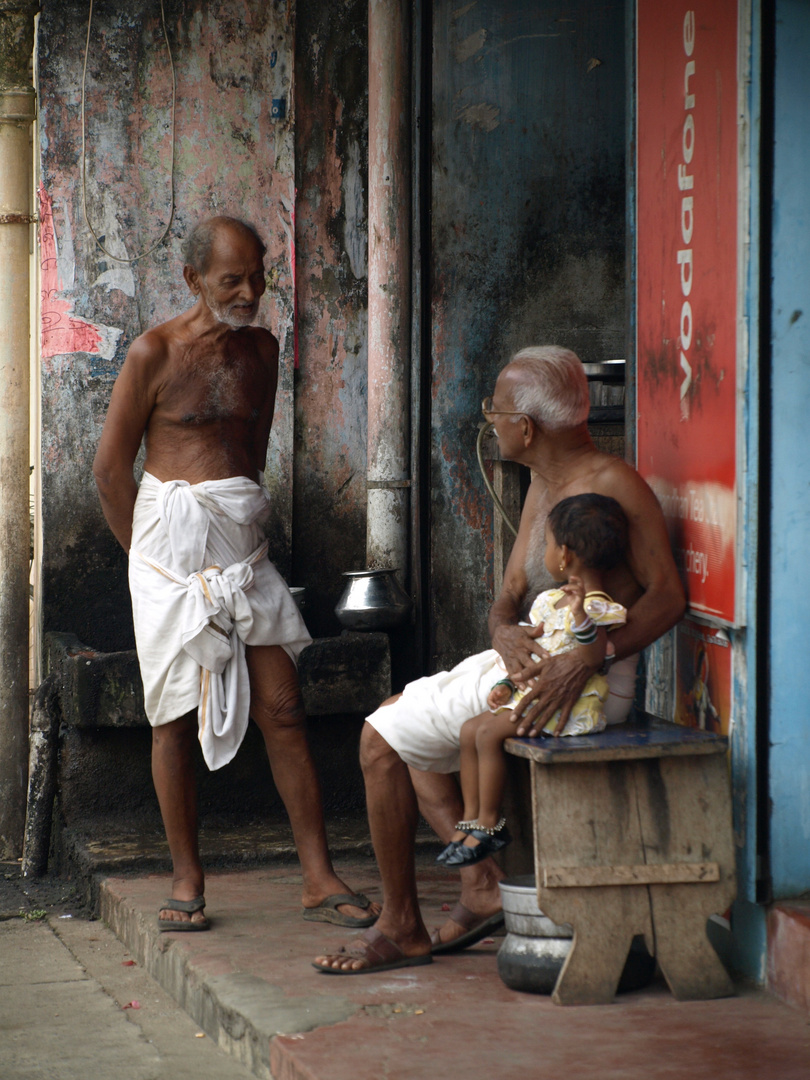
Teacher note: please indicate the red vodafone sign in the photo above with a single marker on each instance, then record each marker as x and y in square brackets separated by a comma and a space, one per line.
[686, 280]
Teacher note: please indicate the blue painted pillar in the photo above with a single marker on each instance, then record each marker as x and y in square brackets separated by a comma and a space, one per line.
[789, 778]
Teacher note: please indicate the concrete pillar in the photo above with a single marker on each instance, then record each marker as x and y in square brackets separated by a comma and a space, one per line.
[17, 111]
[389, 284]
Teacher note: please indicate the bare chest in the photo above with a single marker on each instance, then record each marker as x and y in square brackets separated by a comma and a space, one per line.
[206, 385]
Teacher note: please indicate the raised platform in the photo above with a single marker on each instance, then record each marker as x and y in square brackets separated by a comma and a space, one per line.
[789, 952]
[346, 674]
[92, 743]
[249, 985]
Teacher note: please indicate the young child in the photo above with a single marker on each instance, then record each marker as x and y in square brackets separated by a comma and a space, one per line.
[586, 535]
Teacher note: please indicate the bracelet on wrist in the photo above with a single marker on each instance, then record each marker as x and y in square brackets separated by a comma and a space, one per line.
[607, 663]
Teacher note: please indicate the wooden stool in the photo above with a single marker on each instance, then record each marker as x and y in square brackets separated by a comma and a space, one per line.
[632, 835]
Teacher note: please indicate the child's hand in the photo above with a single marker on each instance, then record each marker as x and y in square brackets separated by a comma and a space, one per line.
[500, 694]
[575, 591]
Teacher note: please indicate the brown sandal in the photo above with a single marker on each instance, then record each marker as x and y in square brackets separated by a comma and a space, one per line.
[377, 951]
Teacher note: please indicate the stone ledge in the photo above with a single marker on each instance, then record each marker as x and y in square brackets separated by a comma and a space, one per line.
[346, 674]
[789, 952]
[96, 689]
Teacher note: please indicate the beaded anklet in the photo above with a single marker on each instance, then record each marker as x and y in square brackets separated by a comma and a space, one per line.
[491, 831]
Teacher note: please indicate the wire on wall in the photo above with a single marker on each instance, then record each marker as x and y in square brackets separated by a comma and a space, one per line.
[165, 233]
[479, 443]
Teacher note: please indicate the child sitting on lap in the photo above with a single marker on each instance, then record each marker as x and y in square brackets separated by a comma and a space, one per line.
[586, 535]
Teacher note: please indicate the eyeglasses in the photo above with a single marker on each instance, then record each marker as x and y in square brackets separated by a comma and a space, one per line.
[487, 410]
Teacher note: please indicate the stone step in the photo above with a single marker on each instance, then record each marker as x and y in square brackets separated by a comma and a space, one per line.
[88, 852]
[789, 952]
[250, 986]
[350, 673]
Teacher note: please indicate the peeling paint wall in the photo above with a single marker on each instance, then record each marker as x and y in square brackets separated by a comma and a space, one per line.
[527, 234]
[234, 154]
[528, 244]
[331, 140]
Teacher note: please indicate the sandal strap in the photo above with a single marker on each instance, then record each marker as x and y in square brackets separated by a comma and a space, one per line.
[375, 947]
[465, 918]
[355, 899]
[187, 906]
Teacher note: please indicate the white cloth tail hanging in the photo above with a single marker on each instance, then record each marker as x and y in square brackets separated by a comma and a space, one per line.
[203, 589]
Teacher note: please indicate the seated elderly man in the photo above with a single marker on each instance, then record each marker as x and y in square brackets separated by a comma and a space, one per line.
[410, 745]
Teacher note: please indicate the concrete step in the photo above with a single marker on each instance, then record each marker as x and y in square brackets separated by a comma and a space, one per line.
[249, 984]
[90, 851]
[789, 952]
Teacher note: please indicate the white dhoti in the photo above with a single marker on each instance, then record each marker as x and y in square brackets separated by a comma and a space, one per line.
[202, 589]
[424, 725]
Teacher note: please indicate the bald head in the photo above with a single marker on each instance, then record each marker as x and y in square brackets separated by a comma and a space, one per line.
[199, 245]
[549, 384]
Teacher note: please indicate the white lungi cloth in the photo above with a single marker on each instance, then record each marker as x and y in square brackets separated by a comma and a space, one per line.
[202, 589]
[424, 725]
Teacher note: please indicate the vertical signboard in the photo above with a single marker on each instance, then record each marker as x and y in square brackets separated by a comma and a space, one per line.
[686, 274]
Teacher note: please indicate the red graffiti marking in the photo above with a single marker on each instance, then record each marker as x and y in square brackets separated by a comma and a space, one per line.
[61, 331]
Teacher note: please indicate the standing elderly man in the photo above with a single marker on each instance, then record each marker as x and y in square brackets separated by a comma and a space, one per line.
[217, 631]
[409, 746]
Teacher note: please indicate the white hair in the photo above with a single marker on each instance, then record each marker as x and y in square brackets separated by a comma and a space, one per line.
[552, 387]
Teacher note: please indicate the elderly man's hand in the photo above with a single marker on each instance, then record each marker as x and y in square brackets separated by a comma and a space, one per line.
[558, 685]
[517, 648]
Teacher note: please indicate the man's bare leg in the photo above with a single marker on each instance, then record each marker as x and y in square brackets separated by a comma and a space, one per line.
[176, 788]
[441, 806]
[277, 709]
[392, 816]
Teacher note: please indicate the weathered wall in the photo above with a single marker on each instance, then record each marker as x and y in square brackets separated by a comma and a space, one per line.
[232, 60]
[331, 139]
[234, 154]
[528, 244]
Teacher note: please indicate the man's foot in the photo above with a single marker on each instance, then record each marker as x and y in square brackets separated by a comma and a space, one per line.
[468, 929]
[334, 894]
[329, 910]
[191, 915]
[372, 951]
[481, 899]
[184, 906]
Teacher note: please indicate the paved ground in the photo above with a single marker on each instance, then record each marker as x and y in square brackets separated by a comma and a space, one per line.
[249, 986]
[68, 1011]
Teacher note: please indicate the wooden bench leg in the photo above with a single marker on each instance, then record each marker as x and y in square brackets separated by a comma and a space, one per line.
[602, 940]
[690, 965]
[592, 969]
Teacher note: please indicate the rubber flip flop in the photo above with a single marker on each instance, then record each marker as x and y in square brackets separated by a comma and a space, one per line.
[189, 907]
[327, 911]
[475, 929]
[379, 954]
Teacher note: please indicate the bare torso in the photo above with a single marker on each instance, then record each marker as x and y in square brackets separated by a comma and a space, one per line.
[213, 404]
